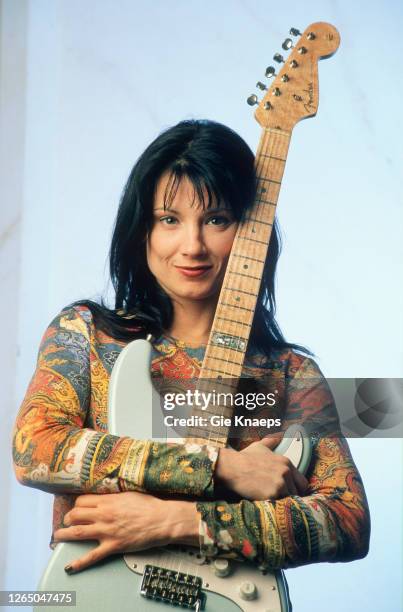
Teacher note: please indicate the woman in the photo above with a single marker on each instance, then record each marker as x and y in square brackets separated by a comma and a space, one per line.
[174, 230]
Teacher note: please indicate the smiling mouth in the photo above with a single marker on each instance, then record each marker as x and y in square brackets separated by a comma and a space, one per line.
[193, 271]
[193, 267]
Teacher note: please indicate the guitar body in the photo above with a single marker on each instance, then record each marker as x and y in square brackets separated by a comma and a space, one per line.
[111, 585]
[118, 580]
[108, 586]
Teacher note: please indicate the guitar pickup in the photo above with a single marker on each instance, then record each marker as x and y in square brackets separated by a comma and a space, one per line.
[177, 588]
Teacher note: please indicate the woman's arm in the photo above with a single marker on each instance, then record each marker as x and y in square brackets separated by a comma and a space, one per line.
[127, 522]
[57, 449]
[329, 522]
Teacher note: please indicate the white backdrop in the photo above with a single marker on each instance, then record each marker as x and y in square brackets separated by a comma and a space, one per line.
[86, 86]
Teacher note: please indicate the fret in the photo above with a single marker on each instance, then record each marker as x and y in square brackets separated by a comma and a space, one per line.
[209, 433]
[206, 412]
[236, 306]
[230, 390]
[226, 360]
[244, 275]
[251, 239]
[214, 409]
[204, 382]
[209, 429]
[244, 315]
[213, 432]
[250, 293]
[217, 441]
[218, 410]
[279, 132]
[229, 386]
[247, 257]
[272, 174]
[255, 220]
[267, 180]
[272, 157]
[266, 202]
[229, 327]
[233, 320]
[230, 374]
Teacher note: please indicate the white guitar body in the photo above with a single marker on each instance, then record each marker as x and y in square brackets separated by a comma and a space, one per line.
[270, 588]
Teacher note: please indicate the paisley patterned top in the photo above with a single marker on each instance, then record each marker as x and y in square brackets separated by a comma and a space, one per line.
[61, 445]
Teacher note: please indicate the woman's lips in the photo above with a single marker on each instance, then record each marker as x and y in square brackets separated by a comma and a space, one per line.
[194, 271]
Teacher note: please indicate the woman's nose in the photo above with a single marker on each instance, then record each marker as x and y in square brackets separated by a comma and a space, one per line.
[193, 242]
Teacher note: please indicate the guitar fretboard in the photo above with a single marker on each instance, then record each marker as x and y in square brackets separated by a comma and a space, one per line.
[229, 336]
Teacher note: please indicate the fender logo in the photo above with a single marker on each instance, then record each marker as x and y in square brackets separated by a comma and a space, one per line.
[308, 105]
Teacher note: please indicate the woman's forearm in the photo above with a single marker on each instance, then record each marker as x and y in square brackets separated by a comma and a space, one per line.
[55, 452]
[182, 523]
[330, 523]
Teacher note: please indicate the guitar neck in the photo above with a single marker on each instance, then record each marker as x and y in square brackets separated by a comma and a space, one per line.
[229, 336]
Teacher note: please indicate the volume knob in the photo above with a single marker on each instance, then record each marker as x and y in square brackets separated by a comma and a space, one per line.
[247, 590]
[221, 567]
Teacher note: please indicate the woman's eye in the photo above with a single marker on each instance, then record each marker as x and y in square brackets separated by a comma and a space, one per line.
[168, 220]
[219, 220]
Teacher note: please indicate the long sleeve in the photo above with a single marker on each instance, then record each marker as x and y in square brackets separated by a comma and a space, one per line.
[60, 439]
[330, 523]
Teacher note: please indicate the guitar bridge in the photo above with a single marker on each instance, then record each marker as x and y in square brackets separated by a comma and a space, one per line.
[176, 588]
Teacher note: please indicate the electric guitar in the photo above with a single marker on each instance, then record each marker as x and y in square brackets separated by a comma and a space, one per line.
[179, 575]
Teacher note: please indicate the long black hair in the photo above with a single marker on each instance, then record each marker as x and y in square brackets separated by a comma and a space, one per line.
[220, 166]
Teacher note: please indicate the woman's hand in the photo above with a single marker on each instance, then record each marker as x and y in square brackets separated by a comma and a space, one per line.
[127, 522]
[257, 473]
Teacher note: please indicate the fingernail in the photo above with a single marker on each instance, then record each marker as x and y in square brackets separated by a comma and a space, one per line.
[69, 569]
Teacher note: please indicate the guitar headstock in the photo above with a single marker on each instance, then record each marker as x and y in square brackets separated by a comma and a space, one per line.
[294, 95]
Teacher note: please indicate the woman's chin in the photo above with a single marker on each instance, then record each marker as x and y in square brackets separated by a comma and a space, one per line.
[194, 294]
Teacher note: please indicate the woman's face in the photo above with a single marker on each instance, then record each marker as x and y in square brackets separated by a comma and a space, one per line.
[188, 247]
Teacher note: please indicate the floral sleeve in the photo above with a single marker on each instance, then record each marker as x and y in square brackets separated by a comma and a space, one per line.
[330, 523]
[55, 450]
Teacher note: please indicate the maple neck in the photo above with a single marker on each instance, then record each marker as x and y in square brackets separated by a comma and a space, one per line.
[229, 335]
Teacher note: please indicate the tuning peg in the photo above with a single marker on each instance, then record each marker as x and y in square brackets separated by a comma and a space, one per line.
[287, 44]
[270, 72]
[278, 58]
[261, 86]
[295, 32]
[252, 100]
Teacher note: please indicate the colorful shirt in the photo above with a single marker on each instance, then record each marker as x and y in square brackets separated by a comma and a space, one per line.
[61, 445]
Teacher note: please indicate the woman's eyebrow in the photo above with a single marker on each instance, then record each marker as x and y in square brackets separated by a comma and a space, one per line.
[207, 211]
